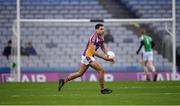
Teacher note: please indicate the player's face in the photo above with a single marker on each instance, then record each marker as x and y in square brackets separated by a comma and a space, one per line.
[101, 30]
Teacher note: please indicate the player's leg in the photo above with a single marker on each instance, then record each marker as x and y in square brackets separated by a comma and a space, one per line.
[146, 70]
[79, 73]
[145, 62]
[74, 75]
[152, 67]
[101, 72]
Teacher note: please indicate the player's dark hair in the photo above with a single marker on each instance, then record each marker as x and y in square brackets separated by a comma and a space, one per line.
[98, 25]
[9, 42]
[142, 31]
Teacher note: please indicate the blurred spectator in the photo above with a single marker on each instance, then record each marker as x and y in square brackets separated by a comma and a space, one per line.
[108, 37]
[7, 49]
[23, 51]
[178, 58]
[29, 49]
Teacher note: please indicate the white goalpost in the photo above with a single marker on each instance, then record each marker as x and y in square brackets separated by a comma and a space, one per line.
[18, 22]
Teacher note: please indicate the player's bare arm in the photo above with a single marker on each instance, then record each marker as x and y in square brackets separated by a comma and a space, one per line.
[105, 57]
[139, 47]
[105, 50]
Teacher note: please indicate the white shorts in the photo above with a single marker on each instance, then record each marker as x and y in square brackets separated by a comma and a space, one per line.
[85, 60]
[147, 56]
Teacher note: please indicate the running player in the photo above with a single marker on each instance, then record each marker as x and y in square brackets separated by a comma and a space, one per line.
[95, 41]
[147, 55]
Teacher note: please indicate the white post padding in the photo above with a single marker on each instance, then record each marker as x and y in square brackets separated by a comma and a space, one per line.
[18, 42]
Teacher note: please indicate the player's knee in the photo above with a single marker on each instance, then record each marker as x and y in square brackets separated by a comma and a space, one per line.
[80, 74]
[145, 64]
[101, 70]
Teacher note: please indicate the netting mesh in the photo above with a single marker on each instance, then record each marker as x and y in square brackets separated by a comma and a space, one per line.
[59, 45]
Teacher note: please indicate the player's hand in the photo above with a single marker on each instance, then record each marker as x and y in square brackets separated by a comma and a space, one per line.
[106, 58]
[112, 61]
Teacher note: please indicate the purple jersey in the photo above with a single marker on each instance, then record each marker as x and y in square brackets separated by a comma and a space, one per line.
[95, 39]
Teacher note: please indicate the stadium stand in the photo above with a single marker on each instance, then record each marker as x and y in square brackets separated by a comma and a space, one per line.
[156, 9]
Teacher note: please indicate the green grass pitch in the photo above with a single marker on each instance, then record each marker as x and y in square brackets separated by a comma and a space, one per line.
[87, 93]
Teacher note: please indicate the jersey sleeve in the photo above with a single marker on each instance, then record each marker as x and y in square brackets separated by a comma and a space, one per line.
[93, 40]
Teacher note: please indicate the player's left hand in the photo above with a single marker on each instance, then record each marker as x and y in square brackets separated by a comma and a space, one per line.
[106, 57]
[112, 61]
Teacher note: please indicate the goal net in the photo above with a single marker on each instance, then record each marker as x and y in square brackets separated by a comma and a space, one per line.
[60, 43]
